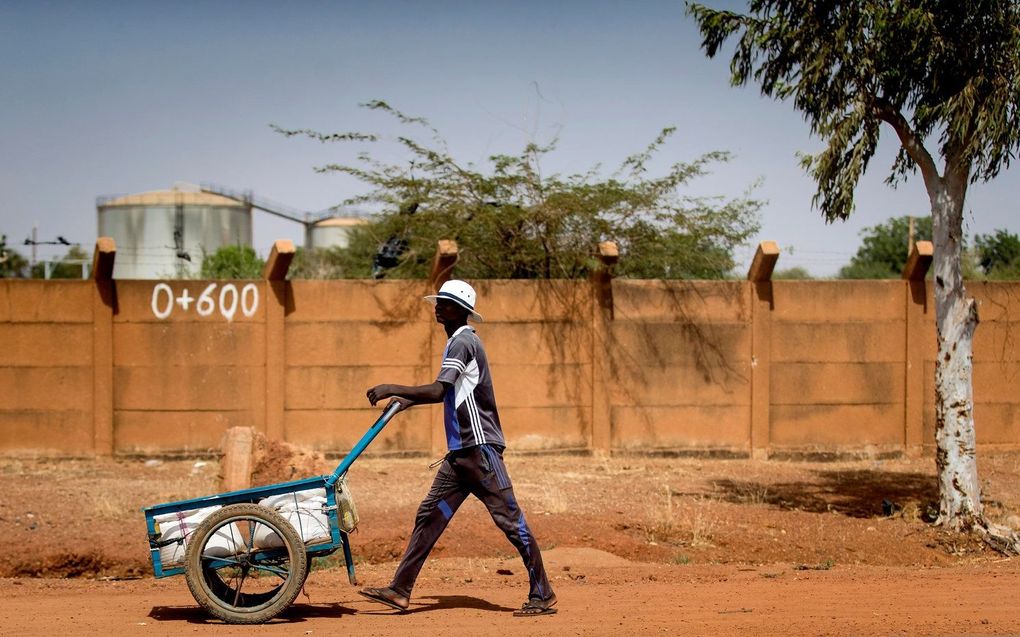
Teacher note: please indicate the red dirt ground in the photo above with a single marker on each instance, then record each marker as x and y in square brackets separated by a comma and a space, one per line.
[633, 544]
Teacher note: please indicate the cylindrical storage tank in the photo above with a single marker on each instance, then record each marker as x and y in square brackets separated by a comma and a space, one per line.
[165, 234]
[333, 232]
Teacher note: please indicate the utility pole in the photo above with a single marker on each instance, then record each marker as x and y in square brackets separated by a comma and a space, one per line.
[48, 264]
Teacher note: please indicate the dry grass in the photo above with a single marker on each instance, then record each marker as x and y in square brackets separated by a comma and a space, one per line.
[681, 521]
[110, 506]
[550, 499]
[663, 527]
[702, 524]
[753, 493]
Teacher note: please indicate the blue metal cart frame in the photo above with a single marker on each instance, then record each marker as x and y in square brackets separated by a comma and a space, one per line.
[338, 538]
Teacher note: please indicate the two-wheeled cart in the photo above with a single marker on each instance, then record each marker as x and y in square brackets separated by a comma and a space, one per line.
[246, 554]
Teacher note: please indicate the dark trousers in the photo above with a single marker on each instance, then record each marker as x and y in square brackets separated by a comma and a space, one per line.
[479, 471]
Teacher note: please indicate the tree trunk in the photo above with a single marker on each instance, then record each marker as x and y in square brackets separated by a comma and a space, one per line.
[956, 319]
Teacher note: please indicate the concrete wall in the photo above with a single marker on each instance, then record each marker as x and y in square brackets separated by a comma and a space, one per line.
[342, 337]
[46, 366]
[838, 356]
[181, 380]
[680, 356]
[734, 367]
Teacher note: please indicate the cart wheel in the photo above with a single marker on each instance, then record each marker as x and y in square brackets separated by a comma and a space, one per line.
[220, 585]
[235, 580]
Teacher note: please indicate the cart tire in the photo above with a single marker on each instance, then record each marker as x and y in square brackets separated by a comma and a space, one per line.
[252, 586]
[224, 591]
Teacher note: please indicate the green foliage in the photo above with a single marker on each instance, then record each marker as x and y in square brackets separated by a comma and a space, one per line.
[883, 251]
[69, 267]
[932, 69]
[353, 262]
[999, 254]
[12, 264]
[797, 273]
[511, 220]
[970, 265]
[232, 262]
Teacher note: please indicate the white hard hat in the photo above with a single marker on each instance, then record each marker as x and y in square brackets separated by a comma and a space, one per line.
[461, 293]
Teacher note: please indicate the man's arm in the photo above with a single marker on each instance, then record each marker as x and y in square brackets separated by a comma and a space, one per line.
[413, 395]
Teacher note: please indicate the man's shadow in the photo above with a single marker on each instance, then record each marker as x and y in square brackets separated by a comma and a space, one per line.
[459, 601]
[443, 602]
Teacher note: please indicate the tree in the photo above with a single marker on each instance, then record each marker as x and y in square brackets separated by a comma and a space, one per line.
[945, 77]
[69, 267]
[511, 220]
[353, 262]
[12, 264]
[883, 251]
[999, 254]
[232, 262]
[796, 273]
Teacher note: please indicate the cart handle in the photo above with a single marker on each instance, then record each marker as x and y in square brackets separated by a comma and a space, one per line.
[366, 440]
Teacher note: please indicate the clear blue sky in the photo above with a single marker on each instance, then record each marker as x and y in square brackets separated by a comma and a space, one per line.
[119, 97]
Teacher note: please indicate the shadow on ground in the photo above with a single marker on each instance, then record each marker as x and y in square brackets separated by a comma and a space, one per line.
[302, 612]
[295, 613]
[456, 601]
[859, 493]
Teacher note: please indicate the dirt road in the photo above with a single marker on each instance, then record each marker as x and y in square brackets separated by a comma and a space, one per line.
[468, 596]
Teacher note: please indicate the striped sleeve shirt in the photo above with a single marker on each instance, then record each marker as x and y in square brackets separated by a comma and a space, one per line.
[469, 404]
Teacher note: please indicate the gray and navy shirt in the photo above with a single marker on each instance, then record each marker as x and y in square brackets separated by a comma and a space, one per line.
[469, 405]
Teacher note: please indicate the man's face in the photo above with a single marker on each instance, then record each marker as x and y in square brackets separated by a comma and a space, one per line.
[449, 312]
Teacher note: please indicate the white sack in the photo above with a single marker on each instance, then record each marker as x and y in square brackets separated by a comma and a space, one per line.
[295, 500]
[303, 510]
[182, 524]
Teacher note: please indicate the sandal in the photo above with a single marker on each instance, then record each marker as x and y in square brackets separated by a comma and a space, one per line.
[386, 596]
[536, 607]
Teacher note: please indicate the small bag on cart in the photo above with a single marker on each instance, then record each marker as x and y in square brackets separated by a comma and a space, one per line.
[346, 512]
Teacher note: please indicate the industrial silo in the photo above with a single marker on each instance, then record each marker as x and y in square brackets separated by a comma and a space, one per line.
[332, 232]
[164, 234]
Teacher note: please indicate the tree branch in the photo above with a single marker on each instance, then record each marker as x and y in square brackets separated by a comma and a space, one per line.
[909, 139]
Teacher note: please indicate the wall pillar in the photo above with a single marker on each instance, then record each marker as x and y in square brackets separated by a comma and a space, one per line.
[762, 304]
[442, 264]
[602, 316]
[104, 306]
[917, 309]
[276, 291]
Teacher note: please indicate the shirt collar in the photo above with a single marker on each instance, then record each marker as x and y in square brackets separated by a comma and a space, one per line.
[459, 330]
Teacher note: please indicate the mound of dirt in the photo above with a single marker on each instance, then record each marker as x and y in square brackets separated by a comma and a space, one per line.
[567, 557]
[68, 564]
[276, 461]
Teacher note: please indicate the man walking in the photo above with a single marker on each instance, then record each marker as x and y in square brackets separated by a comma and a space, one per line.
[474, 464]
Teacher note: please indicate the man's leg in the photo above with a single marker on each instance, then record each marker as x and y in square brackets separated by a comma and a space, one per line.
[496, 492]
[434, 513]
